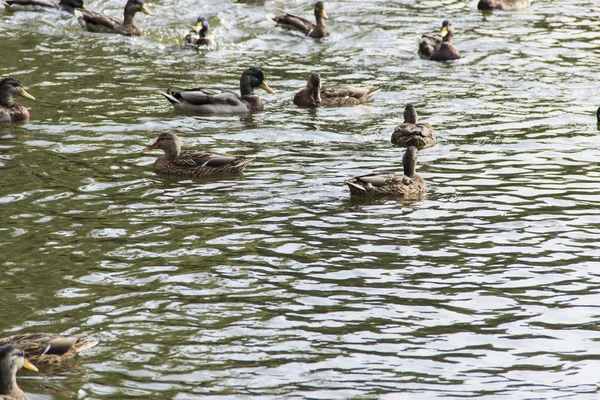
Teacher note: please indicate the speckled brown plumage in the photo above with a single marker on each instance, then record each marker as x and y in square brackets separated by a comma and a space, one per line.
[12, 359]
[409, 186]
[315, 95]
[294, 22]
[439, 48]
[503, 4]
[48, 348]
[10, 110]
[42, 5]
[193, 163]
[413, 133]
[101, 23]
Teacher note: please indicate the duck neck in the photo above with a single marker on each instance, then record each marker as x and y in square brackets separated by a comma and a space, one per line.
[320, 20]
[6, 100]
[173, 152]
[246, 86]
[448, 37]
[8, 383]
[410, 116]
[128, 17]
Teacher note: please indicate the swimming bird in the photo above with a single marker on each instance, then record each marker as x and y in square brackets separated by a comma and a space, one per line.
[409, 185]
[48, 348]
[192, 163]
[413, 133]
[214, 101]
[439, 48]
[10, 110]
[199, 34]
[314, 95]
[42, 5]
[294, 22]
[12, 359]
[97, 22]
[503, 4]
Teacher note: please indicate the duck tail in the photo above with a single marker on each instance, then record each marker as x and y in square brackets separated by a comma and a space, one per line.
[169, 97]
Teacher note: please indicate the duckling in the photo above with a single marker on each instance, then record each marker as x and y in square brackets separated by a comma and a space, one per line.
[96, 22]
[48, 348]
[214, 101]
[11, 111]
[439, 49]
[314, 95]
[42, 5]
[12, 359]
[503, 4]
[317, 31]
[193, 163]
[198, 34]
[412, 133]
[409, 185]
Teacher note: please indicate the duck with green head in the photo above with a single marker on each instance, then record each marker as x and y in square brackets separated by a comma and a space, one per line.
[101, 23]
[218, 101]
[439, 48]
[12, 359]
[44, 5]
[315, 95]
[412, 132]
[199, 34]
[10, 110]
[409, 186]
[314, 30]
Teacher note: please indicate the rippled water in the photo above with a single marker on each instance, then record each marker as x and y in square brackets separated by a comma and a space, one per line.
[277, 284]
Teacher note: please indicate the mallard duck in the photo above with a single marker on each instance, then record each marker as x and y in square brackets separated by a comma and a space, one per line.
[12, 359]
[318, 30]
[48, 348]
[96, 22]
[192, 163]
[41, 5]
[439, 48]
[215, 101]
[314, 95]
[409, 185]
[412, 133]
[11, 111]
[503, 4]
[198, 34]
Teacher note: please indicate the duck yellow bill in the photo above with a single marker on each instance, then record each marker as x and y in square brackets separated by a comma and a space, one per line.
[198, 26]
[444, 31]
[26, 95]
[263, 85]
[145, 10]
[324, 14]
[30, 366]
[153, 146]
[83, 8]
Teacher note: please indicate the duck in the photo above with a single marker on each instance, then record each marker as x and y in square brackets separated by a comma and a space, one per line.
[97, 22]
[409, 185]
[218, 101]
[503, 4]
[316, 31]
[10, 110]
[439, 48]
[413, 133]
[192, 163]
[42, 5]
[12, 359]
[315, 95]
[198, 34]
[48, 348]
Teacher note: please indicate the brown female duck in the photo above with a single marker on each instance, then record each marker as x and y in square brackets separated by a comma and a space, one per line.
[409, 185]
[10, 110]
[315, 95]
[439, 48]
[48, 348]
[318, 30]
[192, 163]
[198, 34]
[503, 4]
[97, 22]
[12, 359]
[43, 5]
[413, 133]
[218, 101]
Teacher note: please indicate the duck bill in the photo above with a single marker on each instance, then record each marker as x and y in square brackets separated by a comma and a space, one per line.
[145, 10]
[444, 31]
[324, 14]
[266, 87]
[198, 26]
[153, 146]
[317, 96]
[30, 366]
[83, 8]
[24, 93]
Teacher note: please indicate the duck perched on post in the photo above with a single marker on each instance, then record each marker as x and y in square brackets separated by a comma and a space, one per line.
[198, 34]
[43, 5]
[10, 110]
[409, 185]
[413, 133]
[12, 359]
[439, 48]
[315, 95]
[97, 22]
[193, 163]
[215, 101]
[503, 4]
[48, 348]
[317, 31]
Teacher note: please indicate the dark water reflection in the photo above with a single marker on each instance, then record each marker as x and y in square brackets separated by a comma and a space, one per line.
[276, 283]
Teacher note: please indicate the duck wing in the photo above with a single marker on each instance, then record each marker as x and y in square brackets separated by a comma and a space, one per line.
[291, 21]
[97, 22]
[194, 159]
[348, 91]
[34, 3]
[429, 45]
